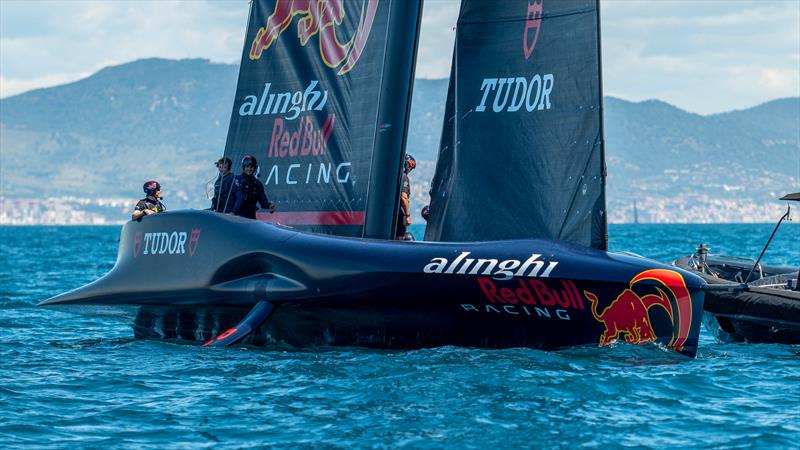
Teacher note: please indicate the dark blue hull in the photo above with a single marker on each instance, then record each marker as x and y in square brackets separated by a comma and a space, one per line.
[190, 275]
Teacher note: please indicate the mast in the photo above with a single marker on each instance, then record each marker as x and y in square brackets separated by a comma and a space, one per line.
[603, 242]
[383, 194]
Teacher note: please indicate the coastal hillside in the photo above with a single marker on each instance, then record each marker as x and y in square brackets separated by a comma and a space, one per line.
[85, 147]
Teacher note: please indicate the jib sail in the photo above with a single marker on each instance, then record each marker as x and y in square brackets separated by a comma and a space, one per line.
[522, 152]
[322, 104]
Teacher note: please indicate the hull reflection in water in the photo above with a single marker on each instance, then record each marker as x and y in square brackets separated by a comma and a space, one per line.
[324, 290]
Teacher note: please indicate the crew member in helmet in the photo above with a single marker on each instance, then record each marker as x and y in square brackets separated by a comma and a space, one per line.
[426, 212]
[223, 199]
[249, 191]
[151, 204]
[404, 214]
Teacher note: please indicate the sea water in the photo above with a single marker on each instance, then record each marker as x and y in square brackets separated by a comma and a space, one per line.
[75, 381]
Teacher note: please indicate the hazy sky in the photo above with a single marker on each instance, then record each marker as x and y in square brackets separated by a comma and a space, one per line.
[704, 56]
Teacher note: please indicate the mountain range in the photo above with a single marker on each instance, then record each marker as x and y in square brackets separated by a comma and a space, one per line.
[101, 136]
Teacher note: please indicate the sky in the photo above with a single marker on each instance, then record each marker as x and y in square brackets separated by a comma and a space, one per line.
[704, 56]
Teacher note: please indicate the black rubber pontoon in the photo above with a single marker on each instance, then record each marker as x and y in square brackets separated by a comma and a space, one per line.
[745, 300]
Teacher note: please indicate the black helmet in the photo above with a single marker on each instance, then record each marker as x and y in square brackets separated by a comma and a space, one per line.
[249, 160]
[410, 163]
[224, 160]
[151, 187]
[426, 212]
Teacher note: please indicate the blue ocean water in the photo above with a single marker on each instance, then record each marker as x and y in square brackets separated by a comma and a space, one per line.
[75, 381]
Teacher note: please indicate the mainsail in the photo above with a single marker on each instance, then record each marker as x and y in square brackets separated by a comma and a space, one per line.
[522, 151]
[323, 105]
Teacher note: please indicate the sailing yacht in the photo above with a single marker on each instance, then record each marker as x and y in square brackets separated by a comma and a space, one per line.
[516, 248]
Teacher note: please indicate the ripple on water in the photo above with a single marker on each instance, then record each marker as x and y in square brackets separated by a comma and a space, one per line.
[82, 381]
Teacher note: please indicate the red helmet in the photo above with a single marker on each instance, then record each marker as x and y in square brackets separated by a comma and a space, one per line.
[249, 160]
[411, 163]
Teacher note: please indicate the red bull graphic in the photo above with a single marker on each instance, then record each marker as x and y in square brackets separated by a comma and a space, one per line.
[310, 101]
[629, 314]
[306, 138]
[322, 18]
[528, 297]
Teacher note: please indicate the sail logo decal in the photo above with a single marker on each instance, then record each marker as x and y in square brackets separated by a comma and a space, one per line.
[533, 23]
[321, 18]
[533, 94]
[628, 315]
[541, 299]
[520, 93]
[194, 241]
[303, 138]
[291, 104]
[507, 269]
[166, 243]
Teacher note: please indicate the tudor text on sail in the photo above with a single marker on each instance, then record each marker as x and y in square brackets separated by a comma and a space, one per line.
[513, 94]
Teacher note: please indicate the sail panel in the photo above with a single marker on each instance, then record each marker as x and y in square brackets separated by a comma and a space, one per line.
[307, 106]
[522, 146]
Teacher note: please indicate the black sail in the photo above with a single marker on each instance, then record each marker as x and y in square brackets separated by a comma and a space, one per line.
[322, 104]
[522, 152]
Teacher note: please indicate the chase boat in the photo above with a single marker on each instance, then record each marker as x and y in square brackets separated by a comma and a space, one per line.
[747, 301]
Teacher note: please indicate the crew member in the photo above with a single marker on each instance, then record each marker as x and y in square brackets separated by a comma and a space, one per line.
[404, 214]
[223, 200]
[249, 191]
[151, 204]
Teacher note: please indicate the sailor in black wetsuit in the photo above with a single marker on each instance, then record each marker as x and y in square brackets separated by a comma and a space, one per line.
[150, 204]
[248, 190]
[404, 214]
[223, 198]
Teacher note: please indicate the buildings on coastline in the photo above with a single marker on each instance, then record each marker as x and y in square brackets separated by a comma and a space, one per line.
[681, 208]
[64, 211]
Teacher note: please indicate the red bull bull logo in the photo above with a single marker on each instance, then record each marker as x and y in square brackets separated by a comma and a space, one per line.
[628, 316]
[322, 18]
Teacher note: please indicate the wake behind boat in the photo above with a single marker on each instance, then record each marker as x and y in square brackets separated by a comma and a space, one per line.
[517, 207]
